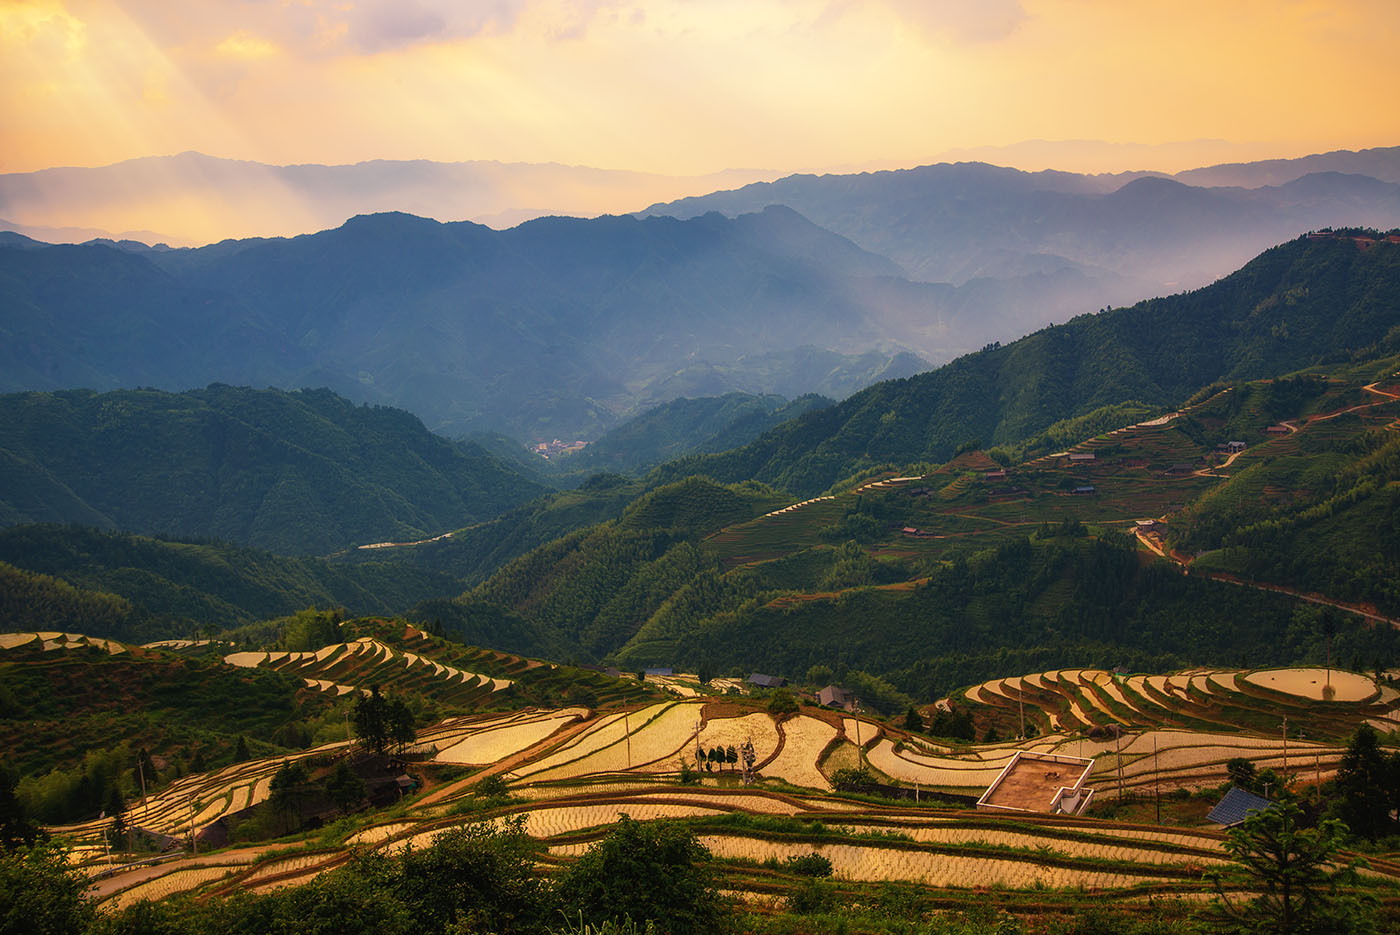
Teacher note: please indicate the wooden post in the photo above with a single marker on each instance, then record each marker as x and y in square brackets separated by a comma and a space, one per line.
[141, 770]
[1156, 779]
[1119, 738]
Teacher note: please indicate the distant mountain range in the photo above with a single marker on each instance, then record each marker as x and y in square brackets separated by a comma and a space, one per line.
[556, 328]
[237, 198]
[562, 328]
[1126, 236]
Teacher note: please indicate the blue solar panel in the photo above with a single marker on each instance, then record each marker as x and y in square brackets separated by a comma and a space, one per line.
[1236, 806]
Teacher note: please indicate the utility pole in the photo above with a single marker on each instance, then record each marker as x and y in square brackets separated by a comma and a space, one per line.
[1021, 707]
[627, 732]
[1119, 737]
[141, 770]
[1285, 747]
[1156, 779]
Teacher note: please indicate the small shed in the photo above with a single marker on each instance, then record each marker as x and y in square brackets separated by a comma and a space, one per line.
[1086, 490]
[1276, 430]
[1080, 457]
[759, 680]
[999, 474]
[834, 696]
[1180, 469]
[1234, 447]
[664, 671]
[1238, 805]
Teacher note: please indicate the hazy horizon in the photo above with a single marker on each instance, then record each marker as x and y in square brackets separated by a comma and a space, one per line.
[677, 87]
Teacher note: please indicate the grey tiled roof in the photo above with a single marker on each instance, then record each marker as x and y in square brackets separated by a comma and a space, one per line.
[1236, 806]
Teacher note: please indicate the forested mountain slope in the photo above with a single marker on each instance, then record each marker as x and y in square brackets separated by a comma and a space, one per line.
[294, 472]
[1305, 301]
[684, 426]
[557, 328]
[142, 588]
[912, 585]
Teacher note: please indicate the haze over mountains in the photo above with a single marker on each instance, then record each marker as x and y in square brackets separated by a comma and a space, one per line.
[556, 328]
[1123, 237]
[191, 199]
[564, 327]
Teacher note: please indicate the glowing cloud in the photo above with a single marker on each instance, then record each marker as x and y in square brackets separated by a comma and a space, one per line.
[681, 85]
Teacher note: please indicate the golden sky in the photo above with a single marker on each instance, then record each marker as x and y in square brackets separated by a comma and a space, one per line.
[690, 86]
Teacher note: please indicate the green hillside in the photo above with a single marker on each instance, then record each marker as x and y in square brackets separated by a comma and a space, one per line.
[303, 472]
[143, 588]
[74, 720]
[593, 587]
[936, 578]
[1317, 510]
[685, 426]
[1301, 303]
[476, 551]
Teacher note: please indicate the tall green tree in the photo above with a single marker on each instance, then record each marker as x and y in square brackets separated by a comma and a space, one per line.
[1292, 869]
[1367, 786]
[370, 716]
[345, 788]
[16, 830]
[651, 871]
[289, 788]
[40, 894]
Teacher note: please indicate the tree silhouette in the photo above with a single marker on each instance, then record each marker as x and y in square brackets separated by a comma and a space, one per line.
[1292, 869]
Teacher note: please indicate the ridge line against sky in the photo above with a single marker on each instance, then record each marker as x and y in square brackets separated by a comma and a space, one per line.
[688, 87]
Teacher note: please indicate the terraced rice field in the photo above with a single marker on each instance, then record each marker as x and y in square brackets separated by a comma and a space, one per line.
[757, 728]
[51, 640]
[572, 776]
[804, 739]
[949, 774]
[546, 822]
[342, 668]
[1314, 684]
[875, 863]
[488, 746]
[1200, 699]
[169, 884]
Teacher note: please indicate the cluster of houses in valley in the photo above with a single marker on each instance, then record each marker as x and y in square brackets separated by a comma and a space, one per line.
[551, 449]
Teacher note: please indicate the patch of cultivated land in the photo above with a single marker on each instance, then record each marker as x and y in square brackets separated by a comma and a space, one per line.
[1314, 684]
[488, 746]
[873, 863]
[804, 739]
[570, 777]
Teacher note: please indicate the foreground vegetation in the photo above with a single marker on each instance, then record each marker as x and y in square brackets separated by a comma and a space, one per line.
[657, 877]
